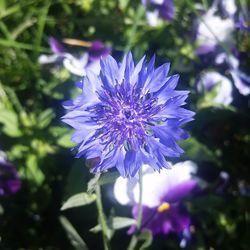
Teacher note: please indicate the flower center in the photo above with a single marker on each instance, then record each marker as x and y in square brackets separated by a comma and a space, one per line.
[124, 117]
[163, 207]
[128, 114]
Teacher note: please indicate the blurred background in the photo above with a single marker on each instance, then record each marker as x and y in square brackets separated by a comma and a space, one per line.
[206, 42]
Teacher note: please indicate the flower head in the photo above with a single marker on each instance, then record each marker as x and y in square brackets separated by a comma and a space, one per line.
[76, 65]
[216, 84]
[56, 47]
[128, 116]
[228, 7]
[10, 182]
[243, 23]
[162, 195]
[156, 9]
[241, 80]
[213, 30]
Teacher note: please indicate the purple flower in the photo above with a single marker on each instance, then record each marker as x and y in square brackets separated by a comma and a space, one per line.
[89, 60]
[240, 79]
[219, 86]
[163, 211]
[97, 50]
[156, 9]
[10, 182]
[243, 23]
[56, 47]
[128, 116]
[213, 30]
[228, 7]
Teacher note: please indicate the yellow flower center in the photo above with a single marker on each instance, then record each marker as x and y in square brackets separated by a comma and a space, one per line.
[163, 207]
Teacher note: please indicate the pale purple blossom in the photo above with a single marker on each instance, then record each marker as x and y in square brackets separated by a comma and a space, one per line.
[10, 181]
[228, 7]
[158, 9]
[212, 30]
[243, 23]
[162, 196]
[241, 80]
[76, 65]
[219, 85]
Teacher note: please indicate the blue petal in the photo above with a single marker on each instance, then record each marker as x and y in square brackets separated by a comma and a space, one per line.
[168, 139]
[109, 72]
[92, 150]
[157, 79]
[131, 163]
[115, 158]
[151, 64]
[129, 66]
[241, 82]
[82, 135]
[138, 68]
[78, 119]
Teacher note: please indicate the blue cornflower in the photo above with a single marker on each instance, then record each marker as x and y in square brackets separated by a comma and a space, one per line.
[128, 116]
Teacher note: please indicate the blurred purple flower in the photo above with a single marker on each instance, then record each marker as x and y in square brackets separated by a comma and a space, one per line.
[219, 85]
[223, 182]
[10, 182]
[243, 23]
[213, 29]
[89, 60]
[97, 50]
[163, 211]
[56, 47]
[128, 116]
[156, 9]
[228, 7]
[240, 79]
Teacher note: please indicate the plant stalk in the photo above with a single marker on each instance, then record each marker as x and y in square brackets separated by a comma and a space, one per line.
[102, 219]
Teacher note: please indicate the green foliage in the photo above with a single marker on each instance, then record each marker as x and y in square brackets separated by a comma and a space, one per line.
[78, 200]
[36, 142]
[74, 237]
[114, 223]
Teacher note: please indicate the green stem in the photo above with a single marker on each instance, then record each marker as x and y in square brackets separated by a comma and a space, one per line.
[132, 34]
[102, 219]
[133, 241]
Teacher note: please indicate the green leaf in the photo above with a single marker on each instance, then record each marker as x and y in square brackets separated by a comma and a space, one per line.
[34, 172]
[9, 120]
[45, 118]
[93, 182]
[65, 141]
[107, 178]
[78, 200]
[197, 151]
[2, 5]
[116, 223]
[72, 234]
[18, 151]
[63, 136]
[102, 180]
[123, 4]
[122, 222]
[147, 237]
[20, 45]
